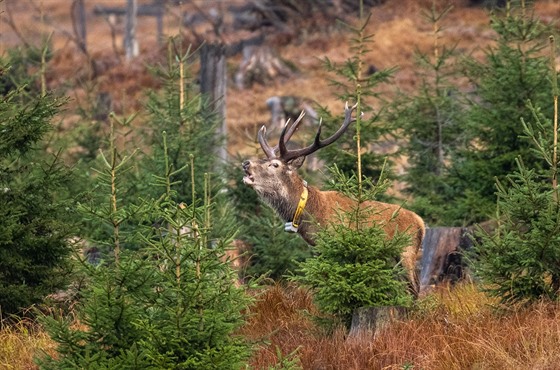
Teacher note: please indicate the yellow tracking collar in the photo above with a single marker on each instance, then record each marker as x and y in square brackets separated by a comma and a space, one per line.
[293, 225]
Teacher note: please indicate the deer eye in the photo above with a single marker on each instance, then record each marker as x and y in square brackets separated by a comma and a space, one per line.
[275, 164]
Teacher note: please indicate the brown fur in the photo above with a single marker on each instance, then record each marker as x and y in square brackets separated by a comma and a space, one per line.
[278, 184]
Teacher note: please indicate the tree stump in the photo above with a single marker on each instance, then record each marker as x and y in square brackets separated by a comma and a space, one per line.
[372, 321]
[442, 251]
[260, 65]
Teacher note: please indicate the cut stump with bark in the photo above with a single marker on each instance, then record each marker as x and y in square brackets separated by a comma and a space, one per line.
[442, 256]
[372, 321]
[260, 65]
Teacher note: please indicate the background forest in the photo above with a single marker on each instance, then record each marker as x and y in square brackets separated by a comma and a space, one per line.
[128, 240]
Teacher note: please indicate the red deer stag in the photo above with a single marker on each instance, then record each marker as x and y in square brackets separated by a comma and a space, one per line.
[305, 207]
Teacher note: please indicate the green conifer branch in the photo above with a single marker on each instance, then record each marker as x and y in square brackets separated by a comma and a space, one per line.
[111, 174]
[554, 80]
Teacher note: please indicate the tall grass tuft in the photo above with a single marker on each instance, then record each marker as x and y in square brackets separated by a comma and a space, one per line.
[20, 341]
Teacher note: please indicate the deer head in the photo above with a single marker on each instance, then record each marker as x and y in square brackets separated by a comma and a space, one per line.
[275, 177]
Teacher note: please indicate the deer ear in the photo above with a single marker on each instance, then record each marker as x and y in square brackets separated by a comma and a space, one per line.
[297, 162]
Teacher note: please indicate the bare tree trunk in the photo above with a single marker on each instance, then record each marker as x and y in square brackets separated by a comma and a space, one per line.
[160, 4]
[79, 24]
[130, 41]
[213, 86]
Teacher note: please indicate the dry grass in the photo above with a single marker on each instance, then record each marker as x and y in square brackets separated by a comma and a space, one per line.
[20, 343]
[450, 329]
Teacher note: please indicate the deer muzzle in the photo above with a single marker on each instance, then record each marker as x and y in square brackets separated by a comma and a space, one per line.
[248, 179]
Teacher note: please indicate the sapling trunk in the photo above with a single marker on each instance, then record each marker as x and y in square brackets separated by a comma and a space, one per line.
[555, 118]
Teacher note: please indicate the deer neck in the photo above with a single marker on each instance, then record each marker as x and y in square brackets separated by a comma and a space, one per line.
[293, 225]
[286, 203]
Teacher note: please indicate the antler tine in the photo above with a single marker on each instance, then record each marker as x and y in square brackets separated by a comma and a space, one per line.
[318, 143]
[284, 137]
[286, 134]
[267, 149]
[294, 127]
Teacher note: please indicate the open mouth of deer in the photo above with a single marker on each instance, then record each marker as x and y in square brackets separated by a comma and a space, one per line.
[248, 179]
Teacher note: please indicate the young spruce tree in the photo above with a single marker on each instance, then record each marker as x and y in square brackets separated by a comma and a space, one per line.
[354, 263]
[169, 302]
[430, 123]
[364, 80]
[512, 72]
[35, 208]
[520, 261]
[183, 114]
[163, 296]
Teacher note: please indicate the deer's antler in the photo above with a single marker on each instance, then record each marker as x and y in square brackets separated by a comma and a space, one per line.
[288, 155]
[288, 130]
[284, 136]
